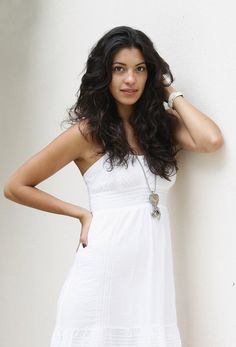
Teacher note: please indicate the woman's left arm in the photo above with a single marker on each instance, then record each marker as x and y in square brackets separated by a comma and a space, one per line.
[195, 130]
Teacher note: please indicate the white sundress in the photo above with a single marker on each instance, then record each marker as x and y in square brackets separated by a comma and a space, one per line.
[119, 291]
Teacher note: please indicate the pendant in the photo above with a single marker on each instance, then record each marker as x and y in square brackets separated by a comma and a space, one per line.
[156, 213]
[154, 199]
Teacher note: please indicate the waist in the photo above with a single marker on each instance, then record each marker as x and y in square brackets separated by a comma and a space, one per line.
[128, 197]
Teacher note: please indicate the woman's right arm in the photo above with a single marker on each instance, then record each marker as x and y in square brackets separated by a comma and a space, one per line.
[21, 186]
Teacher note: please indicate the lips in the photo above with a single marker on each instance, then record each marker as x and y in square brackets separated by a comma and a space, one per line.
[129, 92]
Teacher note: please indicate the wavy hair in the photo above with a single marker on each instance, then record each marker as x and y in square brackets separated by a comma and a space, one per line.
[152, 125]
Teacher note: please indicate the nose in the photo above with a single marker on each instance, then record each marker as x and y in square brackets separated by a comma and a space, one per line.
[130, 77]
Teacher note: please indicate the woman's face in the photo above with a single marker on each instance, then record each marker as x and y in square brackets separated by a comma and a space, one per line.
[129, 75]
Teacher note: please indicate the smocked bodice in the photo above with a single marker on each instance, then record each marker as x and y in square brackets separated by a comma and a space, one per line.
[123, 186]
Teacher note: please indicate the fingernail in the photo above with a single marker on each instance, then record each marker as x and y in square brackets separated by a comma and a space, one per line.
[84, 244]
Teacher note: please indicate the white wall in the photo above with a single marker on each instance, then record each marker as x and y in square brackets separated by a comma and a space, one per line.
[44, 46]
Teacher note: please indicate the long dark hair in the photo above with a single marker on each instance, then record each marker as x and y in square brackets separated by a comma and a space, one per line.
[152, 125]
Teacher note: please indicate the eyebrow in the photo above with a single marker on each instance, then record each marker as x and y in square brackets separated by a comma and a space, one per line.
[117, 62]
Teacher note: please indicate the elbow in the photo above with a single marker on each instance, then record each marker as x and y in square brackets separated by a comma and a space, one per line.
[216, 143]
[7, 191]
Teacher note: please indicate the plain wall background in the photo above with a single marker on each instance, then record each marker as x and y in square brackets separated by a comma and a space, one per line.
[44, 47]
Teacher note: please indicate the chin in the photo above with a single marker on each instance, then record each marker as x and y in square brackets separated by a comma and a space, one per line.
[128, 102]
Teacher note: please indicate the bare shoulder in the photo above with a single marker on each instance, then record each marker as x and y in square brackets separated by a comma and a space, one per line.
[79, 134]
[71, 141]
[91, 150]
[77, 138]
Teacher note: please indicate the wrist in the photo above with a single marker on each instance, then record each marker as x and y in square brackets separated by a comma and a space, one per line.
[168, 91]
[174, 101]
[83, 214]
[172, 97]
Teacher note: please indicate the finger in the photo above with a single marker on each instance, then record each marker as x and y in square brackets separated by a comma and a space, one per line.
[84, 241]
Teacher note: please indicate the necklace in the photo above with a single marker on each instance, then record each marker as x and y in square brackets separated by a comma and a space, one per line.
[153, 197]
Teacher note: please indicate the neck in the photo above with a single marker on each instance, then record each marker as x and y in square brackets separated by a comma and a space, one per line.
[125, 112]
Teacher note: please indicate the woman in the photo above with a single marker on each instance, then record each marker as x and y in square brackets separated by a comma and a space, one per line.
[120, 289]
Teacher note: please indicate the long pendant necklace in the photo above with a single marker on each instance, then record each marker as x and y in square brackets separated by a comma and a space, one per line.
[153, 197]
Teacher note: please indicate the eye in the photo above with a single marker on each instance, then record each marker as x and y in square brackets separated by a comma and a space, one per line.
[143, 68]
[117, 68]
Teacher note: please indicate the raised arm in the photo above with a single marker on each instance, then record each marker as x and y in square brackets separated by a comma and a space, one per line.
[196, 131]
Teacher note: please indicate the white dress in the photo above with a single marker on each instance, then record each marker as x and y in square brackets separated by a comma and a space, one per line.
[120, 289]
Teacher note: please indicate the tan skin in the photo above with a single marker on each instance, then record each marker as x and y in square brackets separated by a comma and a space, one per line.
[196, 132]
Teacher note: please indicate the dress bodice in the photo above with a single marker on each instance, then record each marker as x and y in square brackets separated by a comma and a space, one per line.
[123, 186]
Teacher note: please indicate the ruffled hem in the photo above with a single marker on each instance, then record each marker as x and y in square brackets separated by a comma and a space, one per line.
[149, 336]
